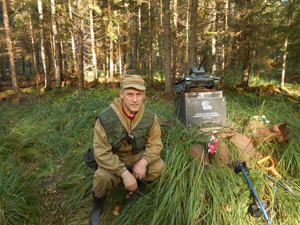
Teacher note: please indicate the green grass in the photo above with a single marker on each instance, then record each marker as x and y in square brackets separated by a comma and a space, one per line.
[43, 179]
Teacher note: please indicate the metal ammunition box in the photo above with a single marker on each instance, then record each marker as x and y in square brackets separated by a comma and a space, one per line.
[198, 108]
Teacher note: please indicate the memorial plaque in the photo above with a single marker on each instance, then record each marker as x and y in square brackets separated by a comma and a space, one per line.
[195, 109]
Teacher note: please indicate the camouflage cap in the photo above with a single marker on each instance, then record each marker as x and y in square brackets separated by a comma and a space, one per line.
[133, 81]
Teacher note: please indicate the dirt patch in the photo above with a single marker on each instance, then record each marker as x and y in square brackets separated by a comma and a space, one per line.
[292, 76]
[19, 98]
[201, 89]
[270, 89]
[161, 97]
[158, 87]
[113, 85]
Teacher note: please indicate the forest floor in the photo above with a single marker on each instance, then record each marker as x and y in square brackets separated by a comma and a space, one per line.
[29, 81]
[45, 135]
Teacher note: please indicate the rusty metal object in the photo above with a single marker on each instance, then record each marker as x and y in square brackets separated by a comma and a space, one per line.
[254, 124]
[163, 122]
[223, 152]
[227, 133]
[201, 89]
[243, 145]
[280, 132]
[197, 151]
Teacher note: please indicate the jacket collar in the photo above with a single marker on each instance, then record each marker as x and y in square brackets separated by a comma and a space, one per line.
[127, 123]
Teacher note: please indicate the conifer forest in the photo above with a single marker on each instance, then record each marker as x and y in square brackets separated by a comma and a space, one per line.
[61, 64]
[91, 39]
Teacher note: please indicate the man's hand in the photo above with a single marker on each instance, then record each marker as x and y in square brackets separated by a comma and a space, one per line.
[129, 181]
[139, 169]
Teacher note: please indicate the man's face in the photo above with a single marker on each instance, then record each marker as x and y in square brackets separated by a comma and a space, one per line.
[132, 100]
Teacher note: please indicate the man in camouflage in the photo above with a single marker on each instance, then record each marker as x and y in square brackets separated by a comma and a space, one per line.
[126, 138]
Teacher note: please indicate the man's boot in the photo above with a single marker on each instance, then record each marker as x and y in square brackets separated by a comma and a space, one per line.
[97, 210]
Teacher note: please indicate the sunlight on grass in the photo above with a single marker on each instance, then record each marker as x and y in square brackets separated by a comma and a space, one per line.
[43, 179]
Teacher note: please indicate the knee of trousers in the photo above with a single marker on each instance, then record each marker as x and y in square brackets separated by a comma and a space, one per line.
[104, 182]
[155, 170]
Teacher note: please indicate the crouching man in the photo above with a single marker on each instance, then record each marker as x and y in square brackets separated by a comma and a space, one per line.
[126, 137]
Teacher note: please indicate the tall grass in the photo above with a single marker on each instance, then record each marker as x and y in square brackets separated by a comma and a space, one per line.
[191, 193]
[43, 179]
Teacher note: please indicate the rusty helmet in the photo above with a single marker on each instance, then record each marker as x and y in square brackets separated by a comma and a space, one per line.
[243, 145]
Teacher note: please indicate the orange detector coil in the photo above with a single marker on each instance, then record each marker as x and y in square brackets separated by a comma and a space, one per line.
[271, 168]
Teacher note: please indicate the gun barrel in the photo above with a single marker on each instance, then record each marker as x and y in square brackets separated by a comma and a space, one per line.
[202, 62]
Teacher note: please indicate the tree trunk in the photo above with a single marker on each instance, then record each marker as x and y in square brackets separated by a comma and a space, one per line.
[224, 43]
[124, 42]
[289, 19]
[49, 54]
[246, 41]
[167, 34]
[111, 43]
[187, 39]
[7, 64]
[150, 43]
[213, 40]
[133, 46]
[80, 59]
[120, 58]
[23, 64]
[43, 50]
[13, 74]
[61, 50]
[55, 46]
[93, 43]
[80, 51]
[174, 70]
[62, 61]
[161, 41]
[193, 37]
[29, 62]
[38, 78]
[124, 53]
[119, 52]
[73, 39]
[107, 66]
[138, 53]
[2, 71]
[157, 43]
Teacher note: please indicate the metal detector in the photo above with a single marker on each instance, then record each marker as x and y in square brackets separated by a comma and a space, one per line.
[242, 167]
